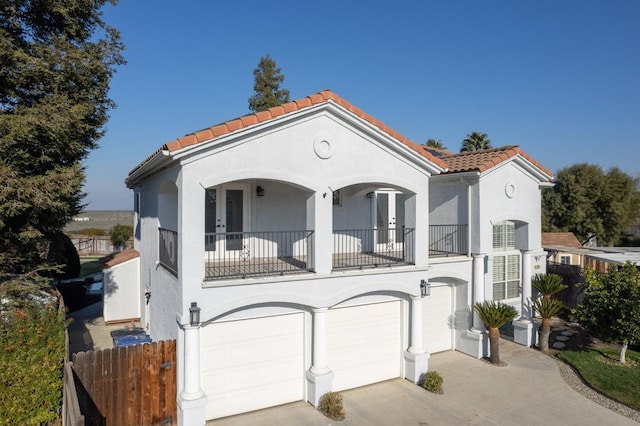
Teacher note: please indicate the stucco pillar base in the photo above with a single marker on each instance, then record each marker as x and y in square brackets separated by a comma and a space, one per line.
[416, 366]
[318, 385]
[525, 332]
[473, 343]
[192, 411]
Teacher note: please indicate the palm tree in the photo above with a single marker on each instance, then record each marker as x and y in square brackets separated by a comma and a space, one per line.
[494, 315]
[547, 285]
[476, 141]
[432, 143]
[546, 308]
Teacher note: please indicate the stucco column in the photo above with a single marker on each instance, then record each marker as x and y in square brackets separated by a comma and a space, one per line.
[319, 342]
[526, 313]
[192, 401]
[416, 359]
[191, 388]
[319, 377]
[320, 220]
[524, 329]
[416, 346]
[478, 288]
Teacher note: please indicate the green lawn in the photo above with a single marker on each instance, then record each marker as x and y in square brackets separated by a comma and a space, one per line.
[89, 265]
[600, 368]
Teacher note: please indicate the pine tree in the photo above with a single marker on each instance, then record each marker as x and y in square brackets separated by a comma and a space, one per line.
[57, 58]
[266, 88]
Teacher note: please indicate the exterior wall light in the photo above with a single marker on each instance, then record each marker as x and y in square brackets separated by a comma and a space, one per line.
[260, 191]
[425, 288]
[194, 314]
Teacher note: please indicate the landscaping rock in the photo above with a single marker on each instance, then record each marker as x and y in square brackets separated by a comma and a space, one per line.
[557, 329]
[567, 333]
[562, 338]
[558, 345]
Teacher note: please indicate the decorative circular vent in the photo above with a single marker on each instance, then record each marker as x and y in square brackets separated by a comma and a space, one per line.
[322, 147]
[510, 189]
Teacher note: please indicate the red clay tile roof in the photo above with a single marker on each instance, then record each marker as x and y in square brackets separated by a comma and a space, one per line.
[118, 258]
[560, 239]
[296, 105]
[485, 159]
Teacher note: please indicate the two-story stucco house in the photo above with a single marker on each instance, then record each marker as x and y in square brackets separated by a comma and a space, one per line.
[321, 250]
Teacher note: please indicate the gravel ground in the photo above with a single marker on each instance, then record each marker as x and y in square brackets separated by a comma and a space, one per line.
[576, 383]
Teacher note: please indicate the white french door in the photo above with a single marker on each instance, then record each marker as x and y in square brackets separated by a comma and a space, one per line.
[226, 216]
[389, 220]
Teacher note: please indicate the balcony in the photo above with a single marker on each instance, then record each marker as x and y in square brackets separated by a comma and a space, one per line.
[372, 248]
[168, 255]
[448, 240]
[253, 254]
[239, 255]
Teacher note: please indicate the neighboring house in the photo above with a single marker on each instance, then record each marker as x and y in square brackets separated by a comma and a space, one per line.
[317, 249]
[563, 248]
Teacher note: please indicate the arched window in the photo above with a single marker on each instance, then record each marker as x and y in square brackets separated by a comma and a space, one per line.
[506, 262]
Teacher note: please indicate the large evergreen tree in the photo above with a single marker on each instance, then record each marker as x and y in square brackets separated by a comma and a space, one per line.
[58, 57]
[266, 87]
[591, 203]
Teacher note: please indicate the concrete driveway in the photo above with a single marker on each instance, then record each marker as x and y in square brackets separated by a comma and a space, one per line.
[528, 391]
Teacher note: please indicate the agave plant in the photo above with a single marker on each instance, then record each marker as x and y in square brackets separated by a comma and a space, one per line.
[546, 308]
[494, 315]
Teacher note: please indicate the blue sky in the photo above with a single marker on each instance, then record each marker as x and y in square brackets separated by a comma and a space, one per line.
[561, 79]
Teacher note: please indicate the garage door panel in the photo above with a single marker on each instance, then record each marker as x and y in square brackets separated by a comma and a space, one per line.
[364, 344]
[252, 364]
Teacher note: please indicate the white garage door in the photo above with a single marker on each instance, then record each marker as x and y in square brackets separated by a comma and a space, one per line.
[252, 364]
[364, 344]
[437, 315]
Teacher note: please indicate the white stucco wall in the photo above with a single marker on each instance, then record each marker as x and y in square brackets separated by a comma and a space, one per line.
[121, 291]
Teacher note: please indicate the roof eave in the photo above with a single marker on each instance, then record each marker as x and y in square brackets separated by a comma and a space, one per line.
[157, 161]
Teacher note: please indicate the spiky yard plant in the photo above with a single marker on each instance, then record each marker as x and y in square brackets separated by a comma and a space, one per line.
[547, 284]
[494, 315]
[546, 308]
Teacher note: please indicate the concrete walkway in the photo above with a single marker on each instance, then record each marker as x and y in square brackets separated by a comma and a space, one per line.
[87, 330]
[528, 391]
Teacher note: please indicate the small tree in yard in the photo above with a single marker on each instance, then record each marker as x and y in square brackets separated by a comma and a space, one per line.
[610, 309]
[546, 308]
[119, 235]
[494, 315]
[547, 285]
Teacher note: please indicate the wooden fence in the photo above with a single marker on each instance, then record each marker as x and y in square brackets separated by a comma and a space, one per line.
[132, 385]
[90, 245]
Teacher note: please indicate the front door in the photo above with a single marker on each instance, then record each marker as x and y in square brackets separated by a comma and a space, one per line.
[226, 219]
[389, 220]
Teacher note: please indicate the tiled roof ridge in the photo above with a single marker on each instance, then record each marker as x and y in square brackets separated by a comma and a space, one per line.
[487, 159]
[482, 151]
[295, 105]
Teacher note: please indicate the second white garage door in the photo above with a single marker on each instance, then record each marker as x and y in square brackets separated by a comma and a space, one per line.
[252, 364]
[364, 344]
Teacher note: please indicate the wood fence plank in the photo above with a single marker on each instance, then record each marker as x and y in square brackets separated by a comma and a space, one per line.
[98, 391]
[146, 385]
[122, 385]
[173, 389]
[139, 375]
[162, 381]
[131, 386]
[155, 390]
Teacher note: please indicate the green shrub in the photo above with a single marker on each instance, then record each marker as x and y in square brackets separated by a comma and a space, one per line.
[120, 234]
[96, 232]
[31, 356]
[331, 406]
[433, 382]
[63, 252]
